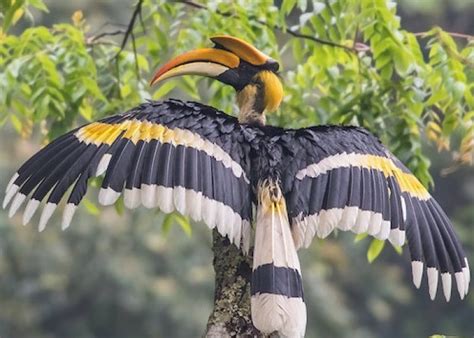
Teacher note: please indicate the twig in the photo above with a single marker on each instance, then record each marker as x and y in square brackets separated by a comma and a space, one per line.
[106, 24]
[142, 23]
[128, 32]
[104, 43]
[134, 46]
[94, 38]
[453, 34]
[312, 38]
[130, 26]
[453, 53]
[357, 47]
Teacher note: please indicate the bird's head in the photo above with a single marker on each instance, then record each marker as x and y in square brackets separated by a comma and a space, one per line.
[238, 64]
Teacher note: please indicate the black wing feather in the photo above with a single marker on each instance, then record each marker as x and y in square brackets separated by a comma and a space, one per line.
[185, 150]
[380, 187]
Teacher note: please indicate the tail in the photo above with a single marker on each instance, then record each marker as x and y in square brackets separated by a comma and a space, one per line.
[277, 290]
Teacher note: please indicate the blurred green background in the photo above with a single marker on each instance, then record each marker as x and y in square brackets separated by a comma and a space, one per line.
[121, 275]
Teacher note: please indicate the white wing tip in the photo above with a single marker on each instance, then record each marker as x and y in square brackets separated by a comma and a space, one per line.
[362, 221]
[446, 280]
[224, 225]
[46, 215]
[9, 195]
[69, 211]
[327, 220]
[179, 200]
[30, 210]
[17, 202]
[417, 272]
[467, 275]
[132, 198]
[460, 283]
[348, 218]
[246, 235]
[397, 237]
[11, 182]
[375, 224]
[108, 196]
[148, 195]
[385, 231]
[237, 229]
[432, 281]
[298, 229]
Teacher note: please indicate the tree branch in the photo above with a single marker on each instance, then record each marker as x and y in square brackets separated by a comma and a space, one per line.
[129, 32]
[357, 46]
[453, 34]
[94, 38]
[452, 53]
[131, 24]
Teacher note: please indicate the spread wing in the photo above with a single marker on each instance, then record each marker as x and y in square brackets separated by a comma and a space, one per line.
[171, 155]
[346, 179]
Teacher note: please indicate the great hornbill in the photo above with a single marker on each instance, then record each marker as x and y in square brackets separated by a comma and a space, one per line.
[194, 159]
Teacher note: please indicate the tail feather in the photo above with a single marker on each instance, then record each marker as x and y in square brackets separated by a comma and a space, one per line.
[277, 290]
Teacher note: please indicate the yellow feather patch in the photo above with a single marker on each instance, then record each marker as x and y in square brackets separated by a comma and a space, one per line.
[103, 133]
[271, 197]
[407, 182]
[273, 90]
[99, 133]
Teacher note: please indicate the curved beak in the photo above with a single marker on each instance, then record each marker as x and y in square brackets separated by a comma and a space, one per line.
[208, 62]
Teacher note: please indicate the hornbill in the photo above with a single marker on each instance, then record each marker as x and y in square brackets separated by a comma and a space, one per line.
[235, 174]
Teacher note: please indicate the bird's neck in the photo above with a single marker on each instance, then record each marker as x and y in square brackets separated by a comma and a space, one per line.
[251, 105]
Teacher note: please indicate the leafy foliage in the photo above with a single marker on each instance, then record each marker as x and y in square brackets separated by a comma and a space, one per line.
[399, 85]
[344, 61]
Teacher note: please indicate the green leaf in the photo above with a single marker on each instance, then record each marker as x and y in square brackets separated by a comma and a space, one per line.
[120, 206]
[360, 237]
[375, 249]
[125, 90]
[184, 223]
[91, 208]
[49, 66]
[450, 123]
[164, 89]
[16, 123]
[86, 111]
[402, 60]
[302, 4]
[167, 223]
[287, 6]
[10, 10]
[93, 88]
[398, 249]
[16, 65]
[39, 4]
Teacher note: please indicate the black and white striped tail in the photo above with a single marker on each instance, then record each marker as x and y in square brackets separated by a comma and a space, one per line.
[277, 290]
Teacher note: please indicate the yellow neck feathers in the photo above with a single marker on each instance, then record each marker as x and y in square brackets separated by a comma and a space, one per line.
[273, 90]
[264, 95]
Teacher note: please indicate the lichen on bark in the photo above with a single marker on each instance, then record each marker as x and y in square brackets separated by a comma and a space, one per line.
[231, 315]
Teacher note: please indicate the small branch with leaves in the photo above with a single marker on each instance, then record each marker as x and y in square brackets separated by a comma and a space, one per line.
[355, 48]
[453, 34]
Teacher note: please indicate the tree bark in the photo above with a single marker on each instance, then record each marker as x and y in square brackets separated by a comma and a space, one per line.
[231, 315]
